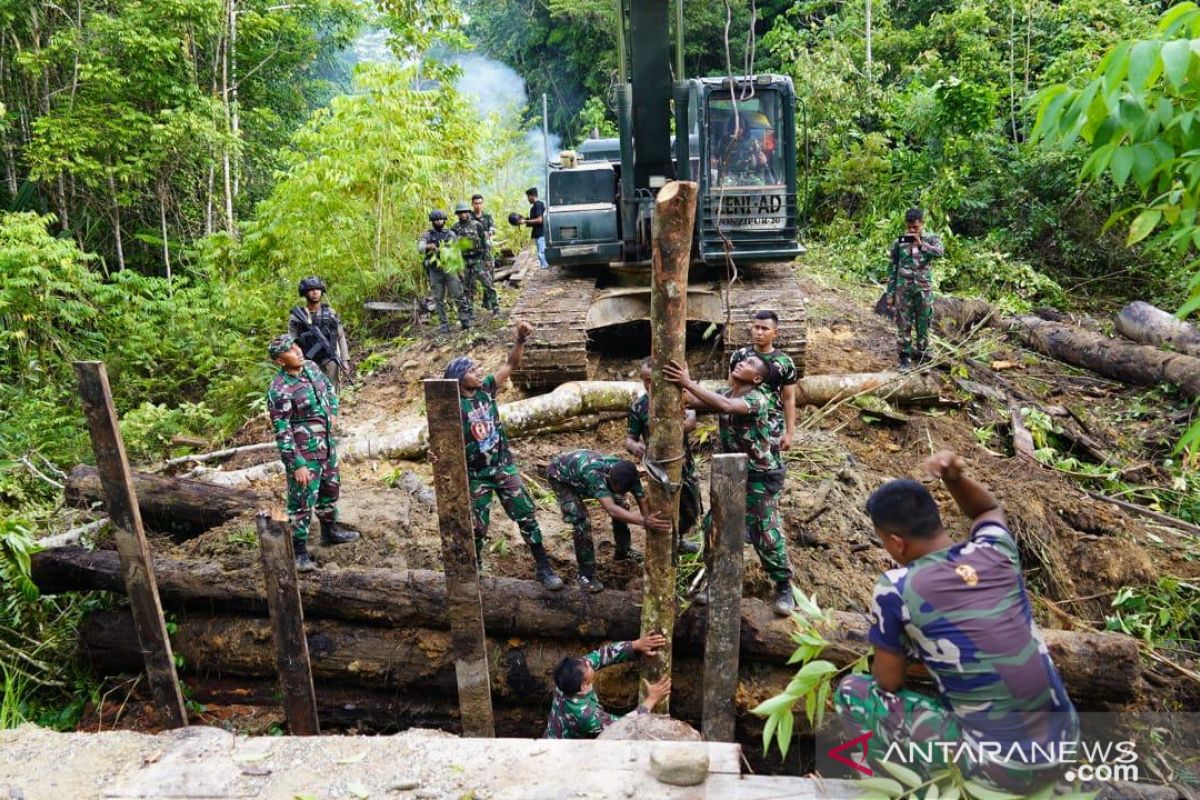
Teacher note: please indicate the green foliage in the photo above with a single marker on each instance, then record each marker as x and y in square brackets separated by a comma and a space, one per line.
[1166, 612]
[149, 428]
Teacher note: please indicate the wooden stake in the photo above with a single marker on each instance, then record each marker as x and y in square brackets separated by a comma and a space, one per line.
[448, 454]
[132, 549]
[674, 216]
[287, 626]
[727, 495]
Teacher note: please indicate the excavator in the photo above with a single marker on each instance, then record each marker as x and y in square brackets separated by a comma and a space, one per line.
[734, 136]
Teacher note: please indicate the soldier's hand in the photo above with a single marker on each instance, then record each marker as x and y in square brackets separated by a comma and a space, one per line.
[649, 644]
[658, 691]
[303, 477]
[676, 372]
[523, 329]
[785, 441]
[637, 449]
[945, 465]
[891, 301]
[656, 523]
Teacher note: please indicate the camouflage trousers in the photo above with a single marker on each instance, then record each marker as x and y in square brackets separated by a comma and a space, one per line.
[321, 495]
[505, 482]
[764, 525]
[914, 313]
[575, 513]
[481, 272]
[441, 283]
[906, 717]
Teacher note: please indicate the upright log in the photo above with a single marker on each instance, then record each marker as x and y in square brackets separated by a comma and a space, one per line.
[287, 627]
[464, 607]
[722, 645]
[674, 216]
[132, 548]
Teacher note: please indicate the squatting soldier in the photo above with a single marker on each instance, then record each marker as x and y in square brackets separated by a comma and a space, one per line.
[575, 711]
[579, 475]
[636, 441]
[910, 287]
[303, 408]
[490, 466]
[745, 428]
[430, 247]
[319, 332]
[961, 608]
[468, 229]
[780, 387]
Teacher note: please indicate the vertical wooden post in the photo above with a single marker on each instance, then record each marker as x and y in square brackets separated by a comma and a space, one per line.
[134, 553]
[727, 496]
[447, 452]
[674, 217]
[287, 626]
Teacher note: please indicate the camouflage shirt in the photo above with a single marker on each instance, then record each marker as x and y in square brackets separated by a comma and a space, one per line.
[471, 231]
[911, 261]
[783, 375]
[582, 716]
[750, 433]
[586, 471]
[300, 407]
[489, 230]
[964, 612]
[638, 427]
[432, 259]
[487, 446]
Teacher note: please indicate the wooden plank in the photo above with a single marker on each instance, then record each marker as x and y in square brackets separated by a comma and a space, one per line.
[132, 548]
[464, 607]
[287, 626]
[727, 496]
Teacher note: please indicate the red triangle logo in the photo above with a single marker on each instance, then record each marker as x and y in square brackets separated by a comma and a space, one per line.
[859, 741]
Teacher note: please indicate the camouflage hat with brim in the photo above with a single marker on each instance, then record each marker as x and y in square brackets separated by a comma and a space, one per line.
[280, 345]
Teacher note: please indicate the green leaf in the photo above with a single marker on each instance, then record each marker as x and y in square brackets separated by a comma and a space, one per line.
[886, 785]
[951, 793]
[774, 705]
[769, 731]
[787, 726]
[1121, 164]
[932, 793]
[1143, 63]
[903, 774]
[1143, 225]
[1176, 57]
[981, 792]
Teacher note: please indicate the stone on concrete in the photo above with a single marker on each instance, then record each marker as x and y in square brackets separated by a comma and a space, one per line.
[679, 765]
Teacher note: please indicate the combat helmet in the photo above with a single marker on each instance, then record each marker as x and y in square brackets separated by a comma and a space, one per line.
[310, 283]
[461, 206]
[437, 214]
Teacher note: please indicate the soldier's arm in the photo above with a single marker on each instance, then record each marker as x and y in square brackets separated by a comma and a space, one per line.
[422, 244]
[893, 267]
[524, 329]
[973, 498]
[886, 635]
[296, 326]
[279, 408]
[931, 245]
[609, 654]
[788, 395]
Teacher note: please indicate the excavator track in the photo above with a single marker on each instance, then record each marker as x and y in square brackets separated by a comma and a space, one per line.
[556, 303]
[768, 286]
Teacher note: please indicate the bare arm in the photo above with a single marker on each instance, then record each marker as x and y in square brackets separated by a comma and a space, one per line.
[706, 398]
[689, 421]
[972, 497]
[789, 415]
[515, 355]
[635, 446]
[630, 518]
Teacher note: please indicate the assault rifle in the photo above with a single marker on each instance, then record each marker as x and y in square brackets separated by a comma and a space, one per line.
[322, 340]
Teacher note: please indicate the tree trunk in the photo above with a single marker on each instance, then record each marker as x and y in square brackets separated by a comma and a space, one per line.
[174, 505]
[584, 401]
[674, 212]
[1112, 358]
[1145, 324]
[116, 217]
[1096, 667]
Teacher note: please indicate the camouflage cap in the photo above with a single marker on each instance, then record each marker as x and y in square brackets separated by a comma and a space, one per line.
[280, 345]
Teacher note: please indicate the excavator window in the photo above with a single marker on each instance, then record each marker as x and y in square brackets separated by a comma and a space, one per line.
[743, 141]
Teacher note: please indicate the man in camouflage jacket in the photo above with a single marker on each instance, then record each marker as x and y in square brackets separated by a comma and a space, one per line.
[468, 229]
[303, 408]
[575, 711]
[910, 287]
[780, 387]
[745, 427]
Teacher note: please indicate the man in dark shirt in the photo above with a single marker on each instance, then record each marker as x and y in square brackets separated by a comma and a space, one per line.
[537, 224]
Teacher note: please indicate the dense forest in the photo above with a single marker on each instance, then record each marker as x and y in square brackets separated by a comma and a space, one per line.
[171, 168]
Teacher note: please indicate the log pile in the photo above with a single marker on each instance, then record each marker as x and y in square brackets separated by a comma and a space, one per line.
[1098, 668]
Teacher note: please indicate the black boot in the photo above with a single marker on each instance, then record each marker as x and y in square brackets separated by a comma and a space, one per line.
[304, 562]
[332, 533]
[543, 571]
[688, 546]
[785, 601]
[590, 583]
[629, 553]
[905, 362]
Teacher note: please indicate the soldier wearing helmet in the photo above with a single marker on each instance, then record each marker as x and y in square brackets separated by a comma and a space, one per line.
[473, 240]
[319, 331]
[432, 245]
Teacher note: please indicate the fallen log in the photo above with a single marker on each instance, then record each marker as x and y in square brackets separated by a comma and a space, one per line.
[1097, 667]
[1112, 358]
[171, 505]
[1143, 323]
[582, 403]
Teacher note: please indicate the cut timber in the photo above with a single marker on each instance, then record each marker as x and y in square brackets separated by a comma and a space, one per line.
[1146, 324]
[1097, 667]
[897, 387]
[173, 505]
[1112, 358]
[770, 286]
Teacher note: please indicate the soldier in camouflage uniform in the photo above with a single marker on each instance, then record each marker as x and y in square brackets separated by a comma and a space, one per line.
[490, 466]
[745, 428]
[962, 610]
[441, 282]
[638, 437]
[303, 409]
[489, 234]
[467, 229]
[319, 331]
[575, 711]
[910, 287]
[579, 475]
[781, 386]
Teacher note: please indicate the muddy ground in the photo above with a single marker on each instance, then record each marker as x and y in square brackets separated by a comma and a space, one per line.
[1077, 552]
